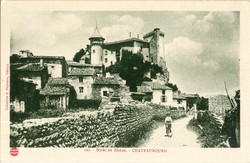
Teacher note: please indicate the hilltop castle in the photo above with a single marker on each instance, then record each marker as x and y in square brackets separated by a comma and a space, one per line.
[107, 53]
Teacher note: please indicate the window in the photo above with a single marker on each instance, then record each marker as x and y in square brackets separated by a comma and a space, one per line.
[80, 89]
[105, 93]
[106, 52]
[163, 98]
[179, 101]
[80, 79]
[163, 92]
[52, 66]
[93, 51]
[106, 60]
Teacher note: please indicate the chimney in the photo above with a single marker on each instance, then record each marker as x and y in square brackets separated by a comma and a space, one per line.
[137, 35]
[41, 62]
[130, 34]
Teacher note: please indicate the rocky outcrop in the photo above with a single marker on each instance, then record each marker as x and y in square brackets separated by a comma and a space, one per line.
[219, 104]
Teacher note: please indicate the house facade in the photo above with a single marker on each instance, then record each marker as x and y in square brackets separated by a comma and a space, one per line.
[180, 102]
[105, 87]
[82, 80]
[113, 50]
[147, 91]
[192, 100]
[33, 72]
[57, 66]
[23, 95]
[56, 94]
[161, 94]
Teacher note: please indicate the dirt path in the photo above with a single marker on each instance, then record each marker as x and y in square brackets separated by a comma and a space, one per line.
[182, 137]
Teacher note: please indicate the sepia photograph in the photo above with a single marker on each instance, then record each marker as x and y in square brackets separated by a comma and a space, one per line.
[121, 80]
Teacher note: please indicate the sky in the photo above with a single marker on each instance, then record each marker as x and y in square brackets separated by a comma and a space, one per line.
[201, 48]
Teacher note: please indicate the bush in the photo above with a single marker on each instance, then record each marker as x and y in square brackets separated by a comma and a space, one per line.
[87, 104]
[173, 108]
[208, 130]
[18, 116]
[46, 113]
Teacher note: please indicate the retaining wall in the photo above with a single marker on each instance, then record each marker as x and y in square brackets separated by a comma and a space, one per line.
[118, 127]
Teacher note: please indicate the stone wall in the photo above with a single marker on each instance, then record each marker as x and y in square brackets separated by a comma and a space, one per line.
[118, 127]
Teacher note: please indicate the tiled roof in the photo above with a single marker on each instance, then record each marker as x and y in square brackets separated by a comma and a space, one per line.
[106, 81]
[51, 90]
[190, 95]
[126, 40]
[27, 81]
[47, 57]
[72, 63]
[31, 67]
[82, 72]
[57, 81]
[144, 88]
[137, 93]
[179, 96]
[157, 86]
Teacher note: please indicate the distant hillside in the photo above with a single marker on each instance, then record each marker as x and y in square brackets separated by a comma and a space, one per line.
[218, 104]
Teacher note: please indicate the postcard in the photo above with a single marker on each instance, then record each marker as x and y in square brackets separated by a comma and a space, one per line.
[124, 81]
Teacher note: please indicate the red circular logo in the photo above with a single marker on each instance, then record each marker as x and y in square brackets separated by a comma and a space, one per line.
[14, 151]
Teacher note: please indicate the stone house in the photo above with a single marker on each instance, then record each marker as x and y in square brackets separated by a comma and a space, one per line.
[34, 72]
[57, 66]
[57, 93]
[105, 87]
[179, 101]
[82, 80]
[192, 100]
[23, 95]
[147, 91]
[161, 94]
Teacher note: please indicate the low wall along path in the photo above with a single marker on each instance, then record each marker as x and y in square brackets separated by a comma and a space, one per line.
[118, 127]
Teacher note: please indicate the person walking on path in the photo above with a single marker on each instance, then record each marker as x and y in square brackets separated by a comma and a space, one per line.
[168, 124]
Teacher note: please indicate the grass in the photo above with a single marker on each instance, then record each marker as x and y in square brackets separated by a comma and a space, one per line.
[209, 134]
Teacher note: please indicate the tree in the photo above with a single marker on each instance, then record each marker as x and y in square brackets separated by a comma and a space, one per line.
[79, 55]
[202, 104]
[131, 68]
[173, 86]
[155, 69]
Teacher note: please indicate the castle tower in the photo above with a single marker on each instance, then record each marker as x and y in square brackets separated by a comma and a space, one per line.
[157, 50]
[96, 42]
[156, 42]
